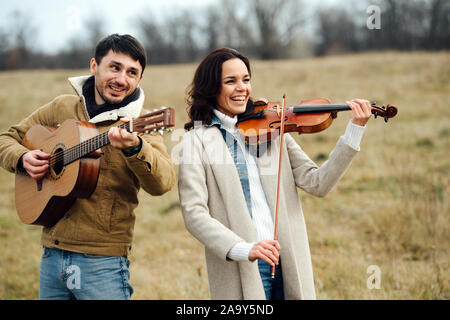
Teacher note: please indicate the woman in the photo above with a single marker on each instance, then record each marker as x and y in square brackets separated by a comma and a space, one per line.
[227, 191]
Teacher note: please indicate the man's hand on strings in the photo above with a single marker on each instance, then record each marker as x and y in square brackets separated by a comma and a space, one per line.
[35, 163]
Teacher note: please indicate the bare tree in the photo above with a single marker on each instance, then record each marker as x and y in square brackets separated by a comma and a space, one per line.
[337, 32]
[158, 50]
[438, 36]
[22, 34]
[213, 28]
[410, 25]
[80, 49]
[4, 47]
[267, 27]
[182, 36]
[95, 28]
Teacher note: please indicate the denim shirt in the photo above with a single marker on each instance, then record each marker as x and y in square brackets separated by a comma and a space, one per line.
[239, 160]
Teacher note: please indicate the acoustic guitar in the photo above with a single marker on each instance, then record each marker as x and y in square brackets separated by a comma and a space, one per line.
[74, 164]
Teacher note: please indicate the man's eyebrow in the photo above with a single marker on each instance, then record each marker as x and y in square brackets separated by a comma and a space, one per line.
[116, 62]
[120, 64]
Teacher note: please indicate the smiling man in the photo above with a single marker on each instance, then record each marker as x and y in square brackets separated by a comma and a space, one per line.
[85, 253]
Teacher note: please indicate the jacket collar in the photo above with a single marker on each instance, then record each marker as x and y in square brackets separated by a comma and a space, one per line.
[257, 151]
[215, 122]
[133, 109]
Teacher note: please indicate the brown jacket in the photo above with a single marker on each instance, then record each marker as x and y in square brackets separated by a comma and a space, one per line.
[102, 224]
[215, 211]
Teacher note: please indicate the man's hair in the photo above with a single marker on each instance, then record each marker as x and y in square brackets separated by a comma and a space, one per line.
[121, 44]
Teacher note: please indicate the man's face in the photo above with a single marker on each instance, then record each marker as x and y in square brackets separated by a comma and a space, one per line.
[116, 77]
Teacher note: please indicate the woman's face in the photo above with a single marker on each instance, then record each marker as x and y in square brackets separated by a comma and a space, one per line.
[236, 88]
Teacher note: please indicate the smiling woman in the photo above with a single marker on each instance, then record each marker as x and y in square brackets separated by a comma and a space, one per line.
[236, 87]
[222, 74]
[225, 188]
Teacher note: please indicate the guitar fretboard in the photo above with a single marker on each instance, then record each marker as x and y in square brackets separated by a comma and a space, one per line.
[86, 147]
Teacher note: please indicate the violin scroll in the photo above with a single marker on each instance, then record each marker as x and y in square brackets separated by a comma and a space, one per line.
[386, 112]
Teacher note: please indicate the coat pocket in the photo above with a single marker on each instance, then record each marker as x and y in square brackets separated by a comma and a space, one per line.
[105, 207]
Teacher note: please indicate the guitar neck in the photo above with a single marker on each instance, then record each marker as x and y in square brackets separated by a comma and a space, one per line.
[88, 146]
[158, 120]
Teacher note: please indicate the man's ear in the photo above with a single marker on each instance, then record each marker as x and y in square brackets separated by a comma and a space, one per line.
[140, 79]
[93, 66]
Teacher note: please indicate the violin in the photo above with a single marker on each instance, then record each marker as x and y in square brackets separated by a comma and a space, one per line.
[265, 120]
[310, 116]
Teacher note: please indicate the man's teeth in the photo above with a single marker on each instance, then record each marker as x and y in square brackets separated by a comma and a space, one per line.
[116, 89]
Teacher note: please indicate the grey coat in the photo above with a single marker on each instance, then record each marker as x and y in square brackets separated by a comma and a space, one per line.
[215, 211]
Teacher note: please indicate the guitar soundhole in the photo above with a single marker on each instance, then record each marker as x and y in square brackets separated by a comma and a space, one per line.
[58, 165]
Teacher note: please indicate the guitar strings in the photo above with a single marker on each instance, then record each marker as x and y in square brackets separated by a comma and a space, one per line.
[74, 153]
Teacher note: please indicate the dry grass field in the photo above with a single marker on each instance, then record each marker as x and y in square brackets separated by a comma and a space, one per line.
[390, 210]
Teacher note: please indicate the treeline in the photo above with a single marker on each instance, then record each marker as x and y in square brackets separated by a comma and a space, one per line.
[263, 29]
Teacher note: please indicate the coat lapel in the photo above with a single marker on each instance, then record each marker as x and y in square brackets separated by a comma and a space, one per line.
[226, 176]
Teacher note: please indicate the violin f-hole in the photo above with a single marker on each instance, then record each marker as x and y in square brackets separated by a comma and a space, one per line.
[272, 124]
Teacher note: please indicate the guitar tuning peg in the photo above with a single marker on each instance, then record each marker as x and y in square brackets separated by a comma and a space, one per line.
[383, 107]
[386, 118]
[375, 115]
[373, 103]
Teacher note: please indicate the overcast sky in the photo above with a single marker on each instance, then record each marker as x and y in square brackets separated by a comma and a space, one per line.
[58, 20]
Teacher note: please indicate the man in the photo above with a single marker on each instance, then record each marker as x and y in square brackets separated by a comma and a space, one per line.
[85, 253]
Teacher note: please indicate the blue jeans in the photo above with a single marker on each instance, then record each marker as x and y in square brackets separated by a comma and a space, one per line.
[273, 287]
[67, 275]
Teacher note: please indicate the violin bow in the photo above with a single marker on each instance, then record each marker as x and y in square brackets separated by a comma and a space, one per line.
[280, 114]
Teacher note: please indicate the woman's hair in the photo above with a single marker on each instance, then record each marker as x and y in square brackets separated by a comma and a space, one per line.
[207, 84]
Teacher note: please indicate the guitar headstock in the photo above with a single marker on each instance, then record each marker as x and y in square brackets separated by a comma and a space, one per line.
[158, 120]
[386, 112]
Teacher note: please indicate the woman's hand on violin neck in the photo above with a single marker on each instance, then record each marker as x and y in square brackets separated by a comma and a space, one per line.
[361, 111]
[266, 250]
